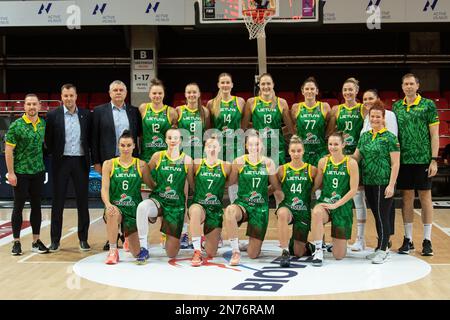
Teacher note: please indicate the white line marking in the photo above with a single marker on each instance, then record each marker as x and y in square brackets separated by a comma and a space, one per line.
[439, 264]
[71, 231]
[50, 262]
[23, 232]
[444, 230]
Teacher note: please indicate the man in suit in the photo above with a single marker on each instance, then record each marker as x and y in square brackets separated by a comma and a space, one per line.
[109, 120]
[67, 137]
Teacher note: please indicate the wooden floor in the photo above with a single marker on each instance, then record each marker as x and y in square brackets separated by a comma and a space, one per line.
[50, 276]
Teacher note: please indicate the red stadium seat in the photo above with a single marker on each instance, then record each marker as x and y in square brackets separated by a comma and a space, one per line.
[206, 96]
[444, 115]
[443, 128]
[331, 102]
[99, 98]
[244, 94]
[446, 94]
[443, 141]
[17, 96]
[388, 95]
[441, 103]
[4, 96]
[431, 94]
[288, 96]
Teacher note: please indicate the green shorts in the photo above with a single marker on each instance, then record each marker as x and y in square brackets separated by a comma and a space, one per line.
[172, 217]
[213, 217]
[257, 218]
[301, 222]
[341, 221]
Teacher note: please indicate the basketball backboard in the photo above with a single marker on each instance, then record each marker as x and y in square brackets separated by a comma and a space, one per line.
[286, 11]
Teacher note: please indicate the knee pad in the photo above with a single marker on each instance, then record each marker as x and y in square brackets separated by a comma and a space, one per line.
[232, 192]
[148, 208]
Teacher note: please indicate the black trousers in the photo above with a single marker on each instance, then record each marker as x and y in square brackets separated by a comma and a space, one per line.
[66, 168]
[27, 185]
[381, 208]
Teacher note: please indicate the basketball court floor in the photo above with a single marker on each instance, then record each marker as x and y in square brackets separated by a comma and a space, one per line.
[70, 274]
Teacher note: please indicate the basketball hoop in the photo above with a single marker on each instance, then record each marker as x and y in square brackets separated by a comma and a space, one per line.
[256, 20]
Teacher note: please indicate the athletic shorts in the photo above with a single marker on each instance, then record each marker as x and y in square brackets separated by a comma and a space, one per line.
[301, 222]
[257, 218]
[213, 218]
[129, 225]
[341, 220]
[413, 177]
[172, 217]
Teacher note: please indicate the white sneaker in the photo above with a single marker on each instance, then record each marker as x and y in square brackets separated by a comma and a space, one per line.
[380, 257]
[372, 255]
[317, 258]
[220, 245]
[359, 245]
[243, 245]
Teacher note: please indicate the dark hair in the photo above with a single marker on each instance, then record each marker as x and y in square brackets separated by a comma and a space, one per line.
[31, 95]
[378, 105]
[199, 103]
[274, 98]
[126, 134]
[156, 82]
[338, 134]
[374, 91]
[310, 79]
[410, 75]
[68, 86]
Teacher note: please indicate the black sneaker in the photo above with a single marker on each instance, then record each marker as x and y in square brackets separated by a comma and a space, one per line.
[84, 246]
[310, 249]
[285, 260]
[406, 246]
[38, 247]
[106, 246]
[427, 250]
[291, 246]
[54, 247]
[16, 249]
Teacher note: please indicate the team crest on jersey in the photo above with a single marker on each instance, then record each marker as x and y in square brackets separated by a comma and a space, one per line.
[334, 198]
[169, 194]
[156, 142]
[348, 139]
[310, 138]
[297, 204]
[256, 197]
[125, 201]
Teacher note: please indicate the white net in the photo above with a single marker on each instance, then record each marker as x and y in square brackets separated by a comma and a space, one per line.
[256, 20]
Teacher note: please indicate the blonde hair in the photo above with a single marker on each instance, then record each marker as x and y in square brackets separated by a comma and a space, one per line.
[295, 139]
[215, 108]
[199, 102]
[354, 81]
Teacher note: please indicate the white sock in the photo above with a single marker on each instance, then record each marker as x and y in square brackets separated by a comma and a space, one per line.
[408, 230]
[318, 244]
[361, 211]
[427, 231]
[318, 193]
[286, 248]
[112, 246]
[235, 244]
[185, 227]
[232, 192]
[361, 228]
[197, 243]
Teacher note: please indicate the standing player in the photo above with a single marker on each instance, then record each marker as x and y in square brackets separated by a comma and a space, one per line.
[311, 119]
[207, 206]
[121, 193]
[226, 116]
[253, 172]
[267, 112]
[349, 119]
[169, 170]
[193, 120]
[157, 118]
[338, 175]
[418, 123]
[297, 179]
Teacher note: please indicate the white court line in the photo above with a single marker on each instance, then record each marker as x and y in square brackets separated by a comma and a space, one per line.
[434, 224]
[439, 264]
[72, 231]
[49, 262]
[23, 232]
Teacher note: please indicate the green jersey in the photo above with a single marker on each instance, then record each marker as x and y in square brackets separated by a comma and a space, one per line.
[228, 121]
[191, 121]
[210, 185]
[413, 129]
[268, 120]
[375, 152]
[311, 126]
[296, 185]
[336, 180]
[253, 181]
[125, 186]
[170, 176]
[154, 126]
[350, 121]
[27, 139]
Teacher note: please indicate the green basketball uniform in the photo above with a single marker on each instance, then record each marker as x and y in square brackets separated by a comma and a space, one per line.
[296, 185]
[170, 177]
[228, 121]
[253, 196]
[350, 121]
[125, 192]
[154, 126]
[209, 188]
[268, 120]
[375, 152]
[414, 133]
[336, 184]
[311, 126]
[191, 121]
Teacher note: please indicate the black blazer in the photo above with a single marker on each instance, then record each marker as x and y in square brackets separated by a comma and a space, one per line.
[55, 133]
[104, 133]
